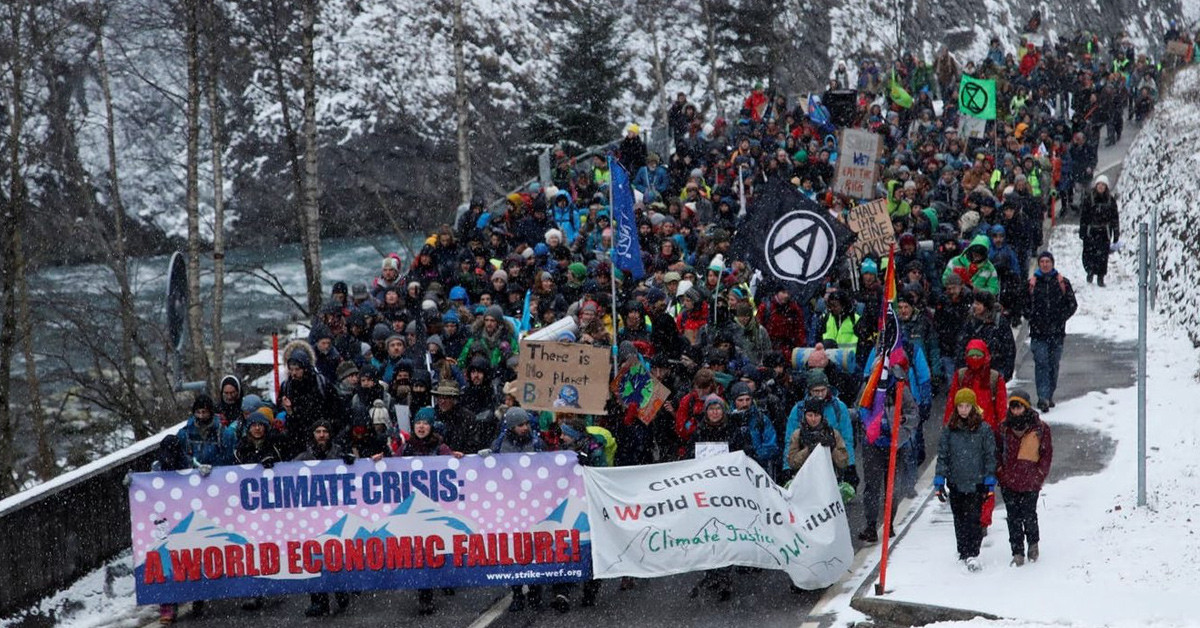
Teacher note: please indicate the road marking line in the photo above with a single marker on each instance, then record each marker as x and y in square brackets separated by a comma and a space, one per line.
[491, 614]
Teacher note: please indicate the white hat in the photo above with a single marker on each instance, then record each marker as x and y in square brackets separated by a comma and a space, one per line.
[683, 287]
[1101, 179]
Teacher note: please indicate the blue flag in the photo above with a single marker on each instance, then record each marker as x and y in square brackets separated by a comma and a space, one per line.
[627, 253]
[818, 114]
[525, 324]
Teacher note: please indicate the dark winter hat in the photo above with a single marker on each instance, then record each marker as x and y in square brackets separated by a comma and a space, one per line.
[320, 332]
[250, 403]
[817, 377]
[300, 359]
[1020, 396]
[346, 369]
[358, 291]
[424, 415]
[515, 417]
[985, 298]
[1046, 254]
[738, 389]
[202, 402]
[340, 288]
[816, 406]
[257, 418]
[380, 332]
[369, 372]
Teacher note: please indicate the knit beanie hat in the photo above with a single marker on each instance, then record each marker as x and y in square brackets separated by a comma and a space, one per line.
[964, 395]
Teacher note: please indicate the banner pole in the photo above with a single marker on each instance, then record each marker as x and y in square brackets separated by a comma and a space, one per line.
[275, 362]
[612, 268]
[890, 494]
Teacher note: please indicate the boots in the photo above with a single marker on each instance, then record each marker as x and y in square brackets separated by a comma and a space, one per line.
[1100, 280]
[1018, 560]
[868, 535]
[425, 602]
[1033, 552]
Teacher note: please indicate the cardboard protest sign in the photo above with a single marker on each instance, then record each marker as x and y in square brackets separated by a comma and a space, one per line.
[634, 384]
[563, 377]
[972, 128]
[1178, 48]
[857, 169]
[870, 222]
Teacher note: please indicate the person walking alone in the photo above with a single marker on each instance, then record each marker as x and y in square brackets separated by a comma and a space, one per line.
[1099, 227]
[1051, 303]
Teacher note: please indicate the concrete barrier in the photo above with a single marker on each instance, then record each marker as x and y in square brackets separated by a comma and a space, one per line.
[58, 531]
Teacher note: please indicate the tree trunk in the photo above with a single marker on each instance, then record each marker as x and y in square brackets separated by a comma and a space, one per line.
[118, 259]
[710, 55]
[462, 106]
[16, 196]
[275, 51]
[660, 80]
[199, 358]
[43, 462]
[311, 209]
[216, 124]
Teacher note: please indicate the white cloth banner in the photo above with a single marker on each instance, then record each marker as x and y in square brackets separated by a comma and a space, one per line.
[663, 519]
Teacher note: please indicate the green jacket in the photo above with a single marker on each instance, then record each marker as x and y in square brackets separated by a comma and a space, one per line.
[984, 276]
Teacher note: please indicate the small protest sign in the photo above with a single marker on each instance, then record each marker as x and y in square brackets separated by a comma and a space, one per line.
[634, 384]
[870, 222]
[563, 377]
[856, 165]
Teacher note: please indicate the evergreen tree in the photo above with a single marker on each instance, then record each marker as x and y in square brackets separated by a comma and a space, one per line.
[590, 77]
[760, 43]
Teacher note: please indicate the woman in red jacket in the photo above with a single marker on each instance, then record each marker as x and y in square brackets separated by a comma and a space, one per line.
[1023, 455]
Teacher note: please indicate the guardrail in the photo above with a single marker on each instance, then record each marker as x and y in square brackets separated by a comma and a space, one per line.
[60, 530]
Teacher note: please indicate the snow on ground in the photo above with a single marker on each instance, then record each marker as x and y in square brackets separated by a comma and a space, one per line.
[103, 597]
[1104, 560]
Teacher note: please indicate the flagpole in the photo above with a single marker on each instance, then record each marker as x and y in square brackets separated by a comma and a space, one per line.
[891, 485]
[612, 269]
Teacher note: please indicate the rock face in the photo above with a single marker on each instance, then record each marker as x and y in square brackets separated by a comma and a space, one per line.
[1160, 177]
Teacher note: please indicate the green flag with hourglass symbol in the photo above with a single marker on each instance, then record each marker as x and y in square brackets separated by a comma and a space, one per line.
[977, 97]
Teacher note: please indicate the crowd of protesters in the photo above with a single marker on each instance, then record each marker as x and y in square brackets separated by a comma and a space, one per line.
[419, 359]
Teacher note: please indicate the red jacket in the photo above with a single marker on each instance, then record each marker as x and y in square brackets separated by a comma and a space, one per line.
[1023, 459]
[784, 324]
[992, 399]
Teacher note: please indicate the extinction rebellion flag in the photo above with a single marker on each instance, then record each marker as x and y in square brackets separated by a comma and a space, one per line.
[977, 97]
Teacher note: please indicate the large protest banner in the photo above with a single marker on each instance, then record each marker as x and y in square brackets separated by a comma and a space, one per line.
[563, 377]
[326, 526]
[856, 165]
[663, 519]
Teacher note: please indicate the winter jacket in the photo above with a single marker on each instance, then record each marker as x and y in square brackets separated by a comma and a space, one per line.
[784, 324]
[249, 451]
[991, 389]
[509, 443]
[211, 445]
[1024, 455]
[657, 180]
[837, 416]
[313, 399]
[966, 457]
[764, 444]
[981, 276]
[909, 417]
[312, 452]
[1051, 303]
[431, 445]
[805, 439]
[995, 331]
[736, 436]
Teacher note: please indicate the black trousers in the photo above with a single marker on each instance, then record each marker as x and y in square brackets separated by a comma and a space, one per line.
[1021, 512]
[968, 534]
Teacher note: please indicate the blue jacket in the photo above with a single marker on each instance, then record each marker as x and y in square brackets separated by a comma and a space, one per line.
[567, 218]
[919, 377]
[836, 414]
[213, 448]
[762, 434]
[657, 180]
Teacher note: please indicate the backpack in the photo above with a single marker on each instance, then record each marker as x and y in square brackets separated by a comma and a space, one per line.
[993, 375]
[1062, 283]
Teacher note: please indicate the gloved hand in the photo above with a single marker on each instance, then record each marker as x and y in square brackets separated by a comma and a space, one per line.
[268, 463]
[204, 470]
[939, 483]
[989, 483]
[485, 452]
[349, 458]
[128, 479]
